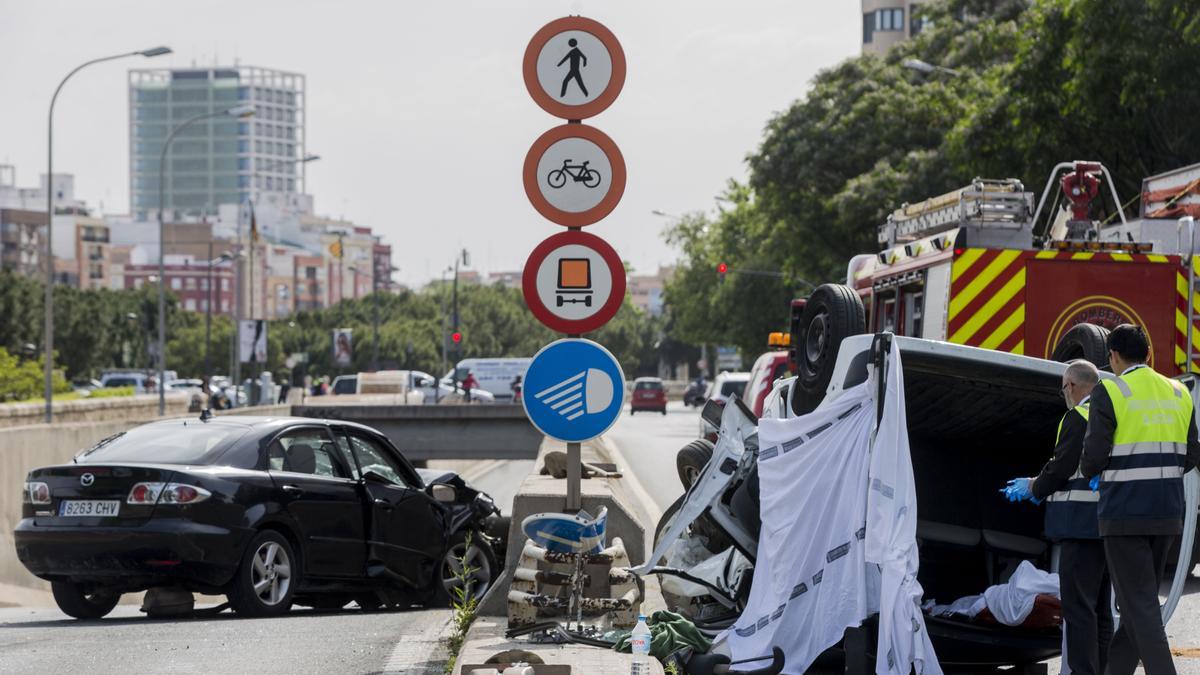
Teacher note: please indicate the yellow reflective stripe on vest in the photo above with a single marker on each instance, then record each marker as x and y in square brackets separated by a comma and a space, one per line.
[1074, 496]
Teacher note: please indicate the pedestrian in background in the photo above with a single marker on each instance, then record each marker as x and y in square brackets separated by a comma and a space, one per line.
[469, 383]
[1141, 439]
[1071, 521]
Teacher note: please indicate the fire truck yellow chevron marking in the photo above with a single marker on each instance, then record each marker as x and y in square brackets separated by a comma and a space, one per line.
[1005, 329]
[994, 304]
[1122, 257]
[963, 262]
[1156, 257]
[980, 282]
[1020, 348]
[1082, 256]
[1181, 326]
[1042, 255]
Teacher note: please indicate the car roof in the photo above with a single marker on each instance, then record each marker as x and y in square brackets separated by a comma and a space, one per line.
[648, 379]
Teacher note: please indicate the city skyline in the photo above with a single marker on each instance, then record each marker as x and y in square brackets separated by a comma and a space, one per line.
[423, 139]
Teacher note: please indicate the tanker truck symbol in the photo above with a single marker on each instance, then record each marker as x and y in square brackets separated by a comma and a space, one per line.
[574, 279]
[584, 393]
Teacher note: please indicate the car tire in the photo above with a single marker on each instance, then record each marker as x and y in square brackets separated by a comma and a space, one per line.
[83, 602]
[266, 580]
[691, 460]
[832, 313]
[477, 554]
[1083, 341]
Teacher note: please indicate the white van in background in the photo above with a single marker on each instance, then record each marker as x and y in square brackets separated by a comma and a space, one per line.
[493, 375]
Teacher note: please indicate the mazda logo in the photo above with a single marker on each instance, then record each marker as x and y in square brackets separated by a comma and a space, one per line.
[87, 479]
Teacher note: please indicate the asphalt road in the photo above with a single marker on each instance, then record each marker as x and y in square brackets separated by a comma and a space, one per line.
[649, 442]
[304, 641]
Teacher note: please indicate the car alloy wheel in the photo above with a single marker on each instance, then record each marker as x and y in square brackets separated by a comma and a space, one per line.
[478, 564]
[271, 573]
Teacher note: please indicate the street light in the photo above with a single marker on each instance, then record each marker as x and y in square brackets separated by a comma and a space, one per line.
[927, 68]
[236, 111]
[223, 258]
[49, 301]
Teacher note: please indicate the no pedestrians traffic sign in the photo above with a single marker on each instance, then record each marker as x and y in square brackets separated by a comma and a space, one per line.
[574, 282]
[574, 68]
[574, 175]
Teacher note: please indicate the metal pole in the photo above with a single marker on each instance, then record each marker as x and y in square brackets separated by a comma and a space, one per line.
[208, 322]
[1191, 260]
[48, 306]
[574, 477]
[375, 326]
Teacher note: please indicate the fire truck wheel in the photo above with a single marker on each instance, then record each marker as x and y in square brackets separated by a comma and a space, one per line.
[833, 312]
[1083, 341]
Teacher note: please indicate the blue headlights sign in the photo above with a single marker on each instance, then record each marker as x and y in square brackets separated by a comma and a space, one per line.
[573, 390]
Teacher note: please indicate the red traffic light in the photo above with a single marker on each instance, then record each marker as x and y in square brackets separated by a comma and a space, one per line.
[722, 268]
[456, 338]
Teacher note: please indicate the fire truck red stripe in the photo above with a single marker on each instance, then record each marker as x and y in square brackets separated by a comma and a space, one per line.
[985, 331]
[973, 271]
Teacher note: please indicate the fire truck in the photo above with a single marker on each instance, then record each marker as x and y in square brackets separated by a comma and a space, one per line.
[989, 266]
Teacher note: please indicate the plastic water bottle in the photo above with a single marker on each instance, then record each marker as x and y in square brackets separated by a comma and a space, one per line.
[639, 642]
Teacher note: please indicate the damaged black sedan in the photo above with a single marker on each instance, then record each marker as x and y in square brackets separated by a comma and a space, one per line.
[270, 512]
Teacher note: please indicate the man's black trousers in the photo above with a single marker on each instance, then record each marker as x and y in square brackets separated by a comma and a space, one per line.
[1086, 604]
[1136, 564]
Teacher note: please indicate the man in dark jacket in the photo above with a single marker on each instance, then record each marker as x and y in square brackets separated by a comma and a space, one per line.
[1071, 521]
[1141, 439]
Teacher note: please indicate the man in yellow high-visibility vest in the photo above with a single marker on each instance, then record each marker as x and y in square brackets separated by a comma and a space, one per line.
[1141, 439]
[1083, 580]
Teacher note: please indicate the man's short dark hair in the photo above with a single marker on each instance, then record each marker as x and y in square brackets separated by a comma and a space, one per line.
[1130, 342]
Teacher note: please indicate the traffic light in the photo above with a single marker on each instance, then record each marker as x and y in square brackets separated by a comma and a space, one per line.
[456, 338]
[722, 268]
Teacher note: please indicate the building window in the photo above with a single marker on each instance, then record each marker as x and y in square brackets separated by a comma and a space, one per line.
[190, 304]
[204, 284]
[224, 284]
[190, 284]
[891, 19]
[175, 283]
[868, 27]
[918, 22]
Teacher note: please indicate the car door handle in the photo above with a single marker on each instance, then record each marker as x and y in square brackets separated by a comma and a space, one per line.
[293, 490]
[384, 504]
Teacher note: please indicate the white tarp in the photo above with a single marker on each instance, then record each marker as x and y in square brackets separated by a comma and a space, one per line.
[819, 527]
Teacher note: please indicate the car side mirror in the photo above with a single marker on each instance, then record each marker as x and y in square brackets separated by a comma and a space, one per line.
[443, 493]
[374, 477]
[711, 413]
[425, 382]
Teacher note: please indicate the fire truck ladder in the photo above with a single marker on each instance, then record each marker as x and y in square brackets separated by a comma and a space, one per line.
[985, 203]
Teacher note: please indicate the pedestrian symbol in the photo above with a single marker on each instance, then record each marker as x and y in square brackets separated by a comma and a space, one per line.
[574, 390]
[574, 68]
[576, 58]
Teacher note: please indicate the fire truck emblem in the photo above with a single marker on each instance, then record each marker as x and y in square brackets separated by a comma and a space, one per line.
[1102, 310]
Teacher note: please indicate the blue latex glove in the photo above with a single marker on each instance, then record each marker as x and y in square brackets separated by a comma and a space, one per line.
[1094, 483]
[1019, 490]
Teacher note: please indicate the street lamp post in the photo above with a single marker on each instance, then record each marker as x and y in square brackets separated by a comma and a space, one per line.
[223, 258]
[237, 111]
[49, 299]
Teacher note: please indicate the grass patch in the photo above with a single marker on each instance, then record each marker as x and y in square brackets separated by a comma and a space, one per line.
[465, 607]
[107, 392]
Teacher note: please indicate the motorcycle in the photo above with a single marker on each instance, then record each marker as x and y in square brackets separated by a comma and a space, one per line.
[695, 392]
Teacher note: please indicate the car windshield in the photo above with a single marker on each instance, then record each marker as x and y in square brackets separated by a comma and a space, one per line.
[171, 443]
[732, 388]
[648, 385]
[120, 382]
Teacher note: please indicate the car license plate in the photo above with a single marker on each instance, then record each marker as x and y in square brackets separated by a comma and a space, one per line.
[100, 508]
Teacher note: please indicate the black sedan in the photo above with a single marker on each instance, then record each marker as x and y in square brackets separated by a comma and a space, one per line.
[268, 511]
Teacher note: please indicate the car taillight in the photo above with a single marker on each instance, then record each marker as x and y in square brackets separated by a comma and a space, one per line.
[37, 493]
[166, 493]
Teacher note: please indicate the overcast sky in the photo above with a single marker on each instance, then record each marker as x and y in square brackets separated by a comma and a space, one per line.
[419, 111]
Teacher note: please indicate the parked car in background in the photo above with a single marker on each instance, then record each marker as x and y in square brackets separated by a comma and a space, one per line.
[767, 368]
[437, 392]
[727, 385]
[648, 394]
[268, 511]
[138, 381]
[344, 384]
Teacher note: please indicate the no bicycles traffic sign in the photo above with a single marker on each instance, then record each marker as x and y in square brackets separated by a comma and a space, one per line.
[574, 175]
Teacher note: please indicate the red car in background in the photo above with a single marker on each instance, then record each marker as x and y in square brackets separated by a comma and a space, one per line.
[648, 394]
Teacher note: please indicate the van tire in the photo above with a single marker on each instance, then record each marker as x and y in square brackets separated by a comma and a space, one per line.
[691, 460]
[1083, 341]
[832, 313]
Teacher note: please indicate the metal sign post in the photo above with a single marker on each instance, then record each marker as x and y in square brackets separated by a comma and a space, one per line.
[573, 282]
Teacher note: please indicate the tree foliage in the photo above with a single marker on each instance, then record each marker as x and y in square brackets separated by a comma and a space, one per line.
[1029, 84]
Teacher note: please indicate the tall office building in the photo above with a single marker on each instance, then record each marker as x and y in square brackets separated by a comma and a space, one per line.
[219, 160]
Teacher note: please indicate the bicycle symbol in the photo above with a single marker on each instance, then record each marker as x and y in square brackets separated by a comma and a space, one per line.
[580, 173]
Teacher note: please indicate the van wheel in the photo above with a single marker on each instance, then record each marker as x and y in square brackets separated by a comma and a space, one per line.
[1083, 341]
[833, 313]
[82, 601]
[691, 460]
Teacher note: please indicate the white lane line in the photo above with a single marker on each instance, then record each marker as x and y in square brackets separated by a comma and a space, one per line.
[422, 653]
